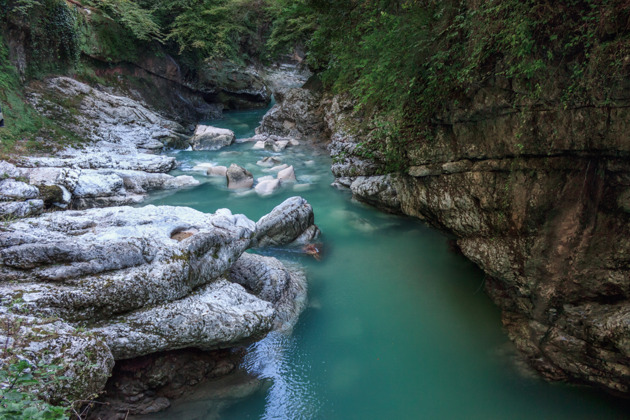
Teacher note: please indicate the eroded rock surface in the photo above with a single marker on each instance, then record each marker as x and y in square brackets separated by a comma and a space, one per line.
[211, 138]
[103, 116]
[239, 178]
[538, 200]
[296, 115]
[123, 282]
[285, 223]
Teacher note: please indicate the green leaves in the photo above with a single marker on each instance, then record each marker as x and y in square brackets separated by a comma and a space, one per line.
[16, 402]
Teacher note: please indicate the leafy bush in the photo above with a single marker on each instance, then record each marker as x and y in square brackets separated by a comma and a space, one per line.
[16, 403]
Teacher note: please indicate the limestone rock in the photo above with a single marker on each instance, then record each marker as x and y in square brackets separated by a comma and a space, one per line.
[211, 138]
[287, 175]
[267, 186]
[269, 161]
[104, 156]
[11, 189]
[542, 210]
[296, 115]
[271, 142]
[269, 279]
[285, 223]
[8, 170]
[92, 184]
[83, 358]
[379, 191]
[218, 315]
[239, 178]
[97, 263]
[278, 168]
[16, 209]
[103, 116]
[61, 176]
[217, 171]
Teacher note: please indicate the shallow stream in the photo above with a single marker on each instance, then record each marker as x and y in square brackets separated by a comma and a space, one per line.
[398, 325]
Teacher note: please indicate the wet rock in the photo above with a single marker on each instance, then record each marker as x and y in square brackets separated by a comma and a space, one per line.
[238, 177]
[144, 385]
[269, 161]
[271, 142]
[541, 210]
[285, 223]
[379, 191]
[202, 166]
[211, 138]
[278, 168]
[287, 175]
[217, 171]
[267, 186]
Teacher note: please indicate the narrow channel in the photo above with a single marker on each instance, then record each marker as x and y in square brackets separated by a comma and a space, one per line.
[397, 326]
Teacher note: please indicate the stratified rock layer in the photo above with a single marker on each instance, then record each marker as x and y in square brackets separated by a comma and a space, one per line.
[539, 200]
[139, 281]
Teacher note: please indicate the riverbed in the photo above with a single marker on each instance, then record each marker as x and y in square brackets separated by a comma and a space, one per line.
[397, 326]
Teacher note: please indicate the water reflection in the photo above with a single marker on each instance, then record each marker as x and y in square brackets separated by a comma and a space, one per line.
[290, 396]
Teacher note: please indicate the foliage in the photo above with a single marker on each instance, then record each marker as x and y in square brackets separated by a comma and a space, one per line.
[293, 25]
[410, 61]
[140, 22]
[50, 31]
[16, 403]
[25, 127]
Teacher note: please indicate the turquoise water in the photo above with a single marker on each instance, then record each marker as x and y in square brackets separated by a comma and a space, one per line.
[398, 326]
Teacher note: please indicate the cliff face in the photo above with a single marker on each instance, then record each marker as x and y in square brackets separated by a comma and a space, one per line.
[539, 197]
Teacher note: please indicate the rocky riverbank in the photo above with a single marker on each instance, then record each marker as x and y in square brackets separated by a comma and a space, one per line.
[101, 291]
[83, 289]
[538, 199]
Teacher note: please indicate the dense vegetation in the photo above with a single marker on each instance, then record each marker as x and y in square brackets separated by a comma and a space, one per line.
[407, 62]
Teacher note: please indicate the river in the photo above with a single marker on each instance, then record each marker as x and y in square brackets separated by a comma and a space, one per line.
[397, 326]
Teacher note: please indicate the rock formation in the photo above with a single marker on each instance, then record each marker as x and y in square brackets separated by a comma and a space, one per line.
[539, 200]
[122, 282]
[238, 177]
[211, 138]
[296, 115]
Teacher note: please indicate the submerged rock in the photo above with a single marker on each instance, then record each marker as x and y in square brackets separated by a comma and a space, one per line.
[217, 171]
[211, 138]
[287, 174]
[238, 177]
[267, 186]
[285, 223]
